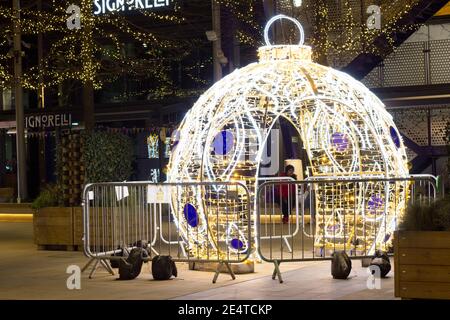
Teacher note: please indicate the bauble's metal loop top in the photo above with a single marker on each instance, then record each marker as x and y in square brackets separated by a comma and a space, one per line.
[280, 17]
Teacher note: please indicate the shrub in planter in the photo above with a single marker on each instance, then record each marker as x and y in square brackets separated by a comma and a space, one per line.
[107, 156]
[432, 217]
[49, 197]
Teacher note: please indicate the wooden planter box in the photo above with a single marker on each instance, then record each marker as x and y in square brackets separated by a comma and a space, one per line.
[62, 228]
[78, 227]
[422, 264]
[54, 229]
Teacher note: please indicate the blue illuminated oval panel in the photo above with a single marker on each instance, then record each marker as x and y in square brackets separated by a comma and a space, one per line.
[339, 141]
[236, 244]
[395, 137]
[375, 202]
[223, 143]
[190, 213]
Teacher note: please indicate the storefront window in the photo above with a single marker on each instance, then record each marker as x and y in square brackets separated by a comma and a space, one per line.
[6, 99]
[153, 146]
[10, 154]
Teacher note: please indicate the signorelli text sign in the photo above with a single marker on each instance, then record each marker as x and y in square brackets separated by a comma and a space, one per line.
[48, 121]
[108, 6]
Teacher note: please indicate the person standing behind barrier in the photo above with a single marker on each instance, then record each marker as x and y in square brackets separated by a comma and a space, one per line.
[287, 193]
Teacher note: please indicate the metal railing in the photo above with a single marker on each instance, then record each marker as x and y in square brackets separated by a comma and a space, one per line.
[272, 193]
[212, 221]
[357, 216]
[192, 222]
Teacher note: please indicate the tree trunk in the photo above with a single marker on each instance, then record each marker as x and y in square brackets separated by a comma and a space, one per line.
[88, 105]
[41, 89]
[87, 53]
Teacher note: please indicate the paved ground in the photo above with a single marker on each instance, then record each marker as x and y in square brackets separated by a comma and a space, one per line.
[26, 273]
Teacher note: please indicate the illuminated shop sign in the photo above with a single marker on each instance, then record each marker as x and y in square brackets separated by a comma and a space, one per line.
[48, 121]
[108, 6]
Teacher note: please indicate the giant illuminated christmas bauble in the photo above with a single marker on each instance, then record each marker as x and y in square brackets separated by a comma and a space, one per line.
[345, 129]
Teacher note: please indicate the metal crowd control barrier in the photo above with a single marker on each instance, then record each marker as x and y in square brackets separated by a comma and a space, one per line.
[192, 222]
[352, 215]
[272, 193]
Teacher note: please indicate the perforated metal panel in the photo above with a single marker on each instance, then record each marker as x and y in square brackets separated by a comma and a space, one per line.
[439, 120]
[440, 62]
[289, 32]
[406, 66]
[372, 80]
[337, 13]
[284, 6]
[410, 154]
[335, 10]
[412, 123]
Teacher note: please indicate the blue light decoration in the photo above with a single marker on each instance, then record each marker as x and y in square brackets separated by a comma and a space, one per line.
[394, 136]
[223, 143]
[190, 213]
[236, 244]
[339, 141]
[375, 203]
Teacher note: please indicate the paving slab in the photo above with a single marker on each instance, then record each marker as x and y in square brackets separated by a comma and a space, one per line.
[28, 273]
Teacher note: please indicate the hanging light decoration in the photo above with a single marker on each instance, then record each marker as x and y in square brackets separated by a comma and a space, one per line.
[345, 129]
